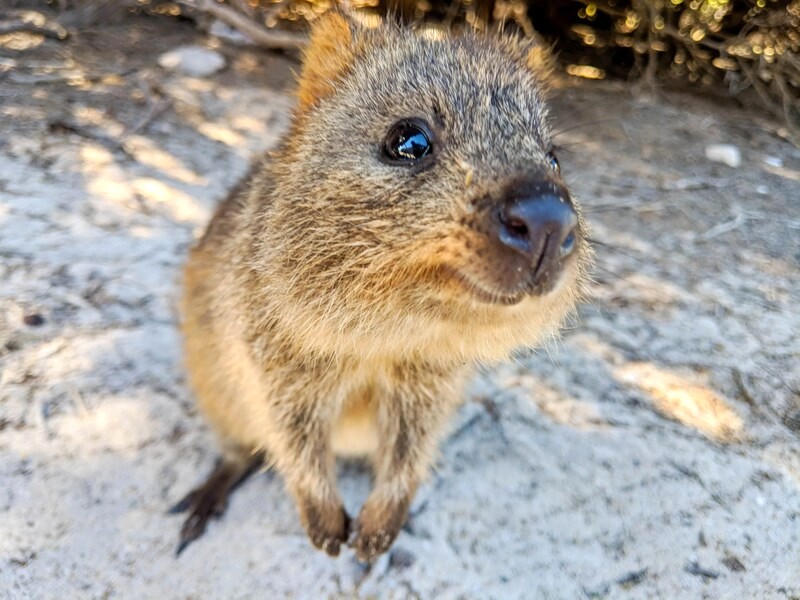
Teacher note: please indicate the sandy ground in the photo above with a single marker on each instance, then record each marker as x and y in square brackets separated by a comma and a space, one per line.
[652, 453]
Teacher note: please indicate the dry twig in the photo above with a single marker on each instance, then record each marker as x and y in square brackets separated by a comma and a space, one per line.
[261, 36]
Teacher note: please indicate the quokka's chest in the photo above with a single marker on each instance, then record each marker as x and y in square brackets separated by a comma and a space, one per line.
[355, 432]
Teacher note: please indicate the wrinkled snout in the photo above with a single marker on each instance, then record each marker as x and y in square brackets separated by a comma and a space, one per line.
[538, 223]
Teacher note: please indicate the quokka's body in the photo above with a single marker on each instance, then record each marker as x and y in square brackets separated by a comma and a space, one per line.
[412, 225]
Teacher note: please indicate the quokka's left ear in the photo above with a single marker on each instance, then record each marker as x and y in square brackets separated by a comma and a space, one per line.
[331, 49]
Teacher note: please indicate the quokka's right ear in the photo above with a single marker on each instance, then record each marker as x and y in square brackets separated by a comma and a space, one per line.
[535, 54]
[331, 49]
[539, 58]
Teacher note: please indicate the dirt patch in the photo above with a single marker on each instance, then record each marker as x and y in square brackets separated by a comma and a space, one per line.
[652, 452]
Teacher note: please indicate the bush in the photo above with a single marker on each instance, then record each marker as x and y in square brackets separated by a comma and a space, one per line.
[746, 48]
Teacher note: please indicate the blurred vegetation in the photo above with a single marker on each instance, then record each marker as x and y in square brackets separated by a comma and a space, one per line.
[746, 48]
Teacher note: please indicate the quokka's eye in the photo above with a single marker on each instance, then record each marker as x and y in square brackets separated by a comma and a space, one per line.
[407, 142]
[552, 160]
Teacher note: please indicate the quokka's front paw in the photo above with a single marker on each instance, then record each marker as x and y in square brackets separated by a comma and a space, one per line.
[377, 527]
[326, 524]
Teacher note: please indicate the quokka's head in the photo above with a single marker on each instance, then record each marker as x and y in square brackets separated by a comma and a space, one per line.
[420, 172]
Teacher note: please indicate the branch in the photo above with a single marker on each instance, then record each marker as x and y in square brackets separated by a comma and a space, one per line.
[33, 22]
[261, 36]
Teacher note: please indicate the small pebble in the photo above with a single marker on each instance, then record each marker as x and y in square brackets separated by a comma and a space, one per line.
[227, 33]
[632, 579]
[792, 421]
[33, 320]
[192, 60]
[733, 563]
[694, 568]
[400, 559]
[727, 154]
[773, 161]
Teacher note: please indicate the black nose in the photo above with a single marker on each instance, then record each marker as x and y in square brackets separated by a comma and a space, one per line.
[541, 227]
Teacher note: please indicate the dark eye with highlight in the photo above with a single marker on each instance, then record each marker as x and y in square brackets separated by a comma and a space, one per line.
[552, 160]
[407, 142]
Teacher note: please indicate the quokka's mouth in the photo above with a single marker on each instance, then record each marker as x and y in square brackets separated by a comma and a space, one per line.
[485, 295]
[509, 297]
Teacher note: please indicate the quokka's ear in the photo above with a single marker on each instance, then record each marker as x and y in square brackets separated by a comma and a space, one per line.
[539, 58]
[535, 53]
[330, 52]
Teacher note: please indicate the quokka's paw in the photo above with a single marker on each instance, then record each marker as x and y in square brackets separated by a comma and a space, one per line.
[377, 527]
[327, 525]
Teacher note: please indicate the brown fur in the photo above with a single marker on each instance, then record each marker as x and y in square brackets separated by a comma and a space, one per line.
[336, 305]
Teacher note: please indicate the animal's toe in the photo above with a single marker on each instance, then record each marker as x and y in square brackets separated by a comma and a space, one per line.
[330, 531]
[203, 509]
[370, 545]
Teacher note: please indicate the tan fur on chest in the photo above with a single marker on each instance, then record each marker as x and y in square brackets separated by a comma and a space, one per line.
[355, 432]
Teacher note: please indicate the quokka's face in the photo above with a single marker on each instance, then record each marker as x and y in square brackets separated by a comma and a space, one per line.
[432, 160]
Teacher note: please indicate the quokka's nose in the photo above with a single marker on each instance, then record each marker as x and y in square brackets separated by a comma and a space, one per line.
[542, 227]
